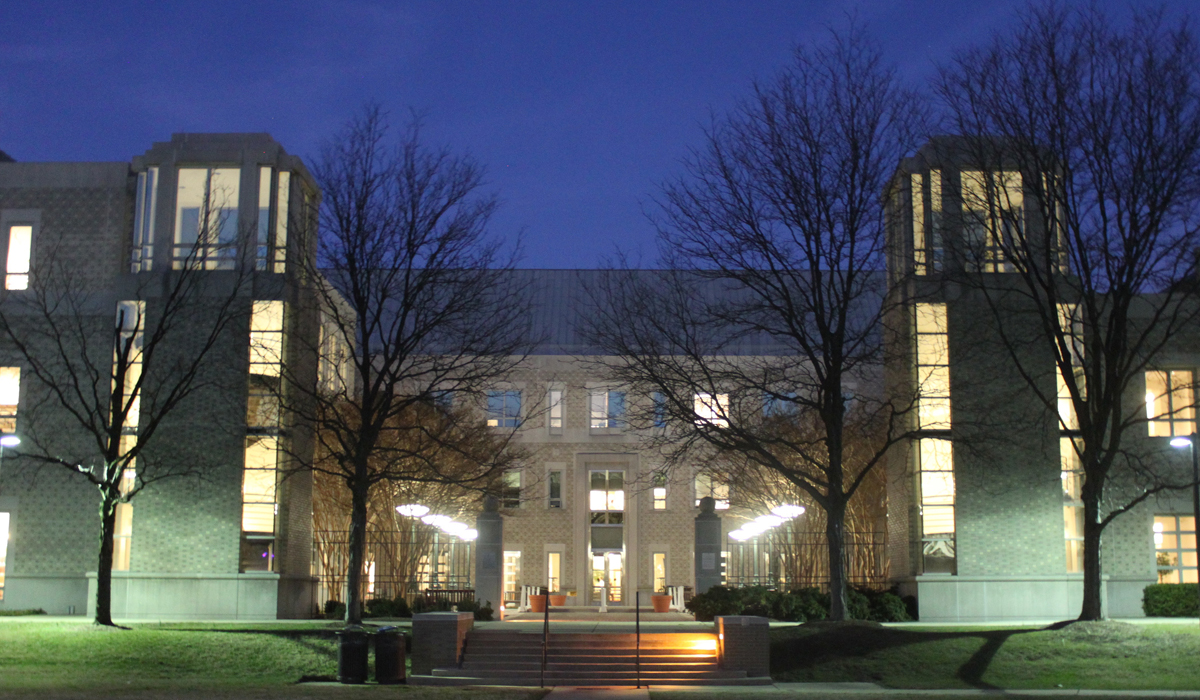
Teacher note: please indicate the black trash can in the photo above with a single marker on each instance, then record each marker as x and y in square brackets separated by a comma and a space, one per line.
[389, 656]
[352, 655]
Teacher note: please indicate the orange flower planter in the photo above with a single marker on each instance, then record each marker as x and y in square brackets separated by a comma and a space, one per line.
[559, 600]
[661, 603]
[537, 603]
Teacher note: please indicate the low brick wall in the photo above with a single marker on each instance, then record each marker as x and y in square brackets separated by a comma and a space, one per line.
[744, 644]
[438, 640]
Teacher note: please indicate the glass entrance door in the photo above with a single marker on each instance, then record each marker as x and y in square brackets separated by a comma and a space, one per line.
[608, 577]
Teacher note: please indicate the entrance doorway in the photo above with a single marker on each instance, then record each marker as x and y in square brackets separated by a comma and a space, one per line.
[608, 577]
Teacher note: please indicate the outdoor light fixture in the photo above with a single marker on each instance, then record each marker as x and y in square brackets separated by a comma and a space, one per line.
[470, 534]
[1179, 442]
[412, 510]
[10, 440]
[755, 528]
[740, 535]
[436, 520]
[769, 520]
[453, 527]
[788, 511]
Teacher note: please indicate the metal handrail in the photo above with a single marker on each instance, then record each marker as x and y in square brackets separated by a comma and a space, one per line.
[545, 636]
[637, 628]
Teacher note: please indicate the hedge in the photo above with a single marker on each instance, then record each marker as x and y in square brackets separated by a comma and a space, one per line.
[800, 605]
[1171, 600]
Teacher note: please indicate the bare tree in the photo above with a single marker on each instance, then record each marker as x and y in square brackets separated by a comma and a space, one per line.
[429, 304]
[774, 246]
[112, 366]
[1087, 141]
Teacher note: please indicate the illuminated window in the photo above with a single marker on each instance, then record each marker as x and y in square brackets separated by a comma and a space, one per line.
[658, 490]
[266, 366]
[4, 521]
[1175, 548]
[10, 397]
[206, 220]
[707, 485]
[607, 409]
[659, 567]
[263, 237]
[554, 490]
[1072, 488]
[20, 242]
[711, 411]
[259, 506]
[606, 497]
[777, 405]
[1170, 403]
[512, 578]
[142, 252]
[281, 222]
[1072, 326]
[510, 489]
[123, 529]
[936, 472]
[503, 409]
[554, 400]
[993, 218]
[554, 571]
[933, 367]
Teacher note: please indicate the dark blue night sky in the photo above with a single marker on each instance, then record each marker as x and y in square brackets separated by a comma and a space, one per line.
[578, 109]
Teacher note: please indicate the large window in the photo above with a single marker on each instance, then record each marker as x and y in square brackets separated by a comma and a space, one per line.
[1175, 548]
[10, 397]
[708, 485]
[933, 367]
[936, 470]
[607, 409]
[123, 527]
[512, 578]
[1170, 403]
[606, 503]
[266, 366]
[711, 410]
[206, 218]
[142, 250]
[20, 244]
[510, 489]
[554, 416]
[659, 402]
[658, 490]
[260, 476]
[127, 361]
[1072, 488]
[284, 188]
[659, 568]
[504, 409]
[993, 219]
[1072, 325]
[554, 489]
[554, 571]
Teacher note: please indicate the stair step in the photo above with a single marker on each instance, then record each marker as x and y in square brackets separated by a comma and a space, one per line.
[535, 681]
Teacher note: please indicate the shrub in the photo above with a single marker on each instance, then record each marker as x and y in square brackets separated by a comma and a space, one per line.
[400, 607]
[334, 609]
[424, 604]
[857, 605]
[378, 607]
[1170, 600]
[16, 613]
[885, 606]
[811, 603]
[718, 600]
[483, 611]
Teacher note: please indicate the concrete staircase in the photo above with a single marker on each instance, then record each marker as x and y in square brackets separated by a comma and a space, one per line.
[503, 657]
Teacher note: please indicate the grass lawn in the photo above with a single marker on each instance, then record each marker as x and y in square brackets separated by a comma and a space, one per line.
[264, 660]
[1097, 655]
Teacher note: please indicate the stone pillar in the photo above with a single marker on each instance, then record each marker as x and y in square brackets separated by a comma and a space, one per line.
[438, 640]
[489, 555]
[743, 644]
[708, 546]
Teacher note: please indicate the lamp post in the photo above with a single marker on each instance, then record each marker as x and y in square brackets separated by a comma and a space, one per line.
[1190, 442]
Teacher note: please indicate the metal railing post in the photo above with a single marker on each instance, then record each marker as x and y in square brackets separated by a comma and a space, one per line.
[545, 637]
[637, 627]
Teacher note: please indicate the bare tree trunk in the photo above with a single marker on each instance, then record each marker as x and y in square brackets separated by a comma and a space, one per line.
[1092, 608]
[108, 520]
[835, 532]
[357, 544]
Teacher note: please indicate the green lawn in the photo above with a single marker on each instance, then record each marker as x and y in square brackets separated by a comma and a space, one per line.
[1101, 655]
[39, 659]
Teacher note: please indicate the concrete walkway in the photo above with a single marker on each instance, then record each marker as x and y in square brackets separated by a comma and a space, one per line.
[858, 691]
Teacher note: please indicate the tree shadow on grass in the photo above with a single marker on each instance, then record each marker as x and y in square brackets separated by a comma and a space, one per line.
[316, 641]
[797, 650]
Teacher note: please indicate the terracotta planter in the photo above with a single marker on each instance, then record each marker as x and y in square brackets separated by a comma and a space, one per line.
[557, 600]
[662, 603]
[537, 603]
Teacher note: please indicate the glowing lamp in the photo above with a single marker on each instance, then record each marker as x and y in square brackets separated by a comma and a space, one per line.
[787, 511]
[1179, 442]
[412, 510]
[740, 535]
[769, 520]
[470, 534]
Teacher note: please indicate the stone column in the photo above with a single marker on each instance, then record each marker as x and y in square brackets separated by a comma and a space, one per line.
[743, 644]
[708, 546]
[438, 640]
[489, 555]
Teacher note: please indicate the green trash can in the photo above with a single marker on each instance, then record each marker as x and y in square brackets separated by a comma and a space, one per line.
[352, 655]
[389, 655]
